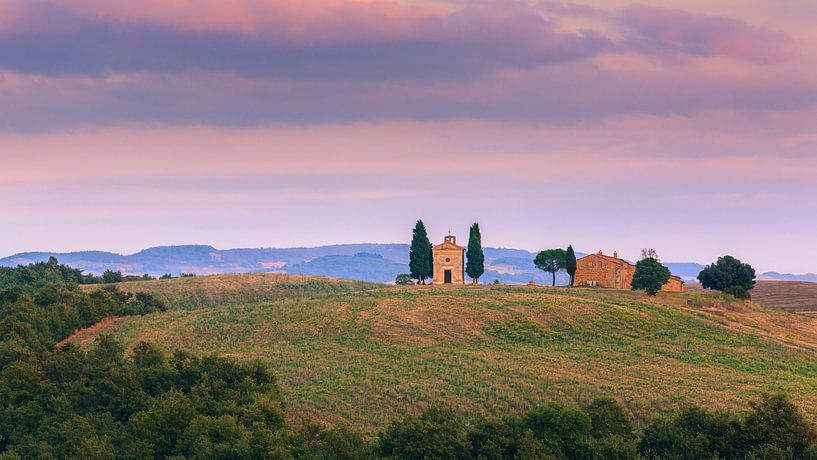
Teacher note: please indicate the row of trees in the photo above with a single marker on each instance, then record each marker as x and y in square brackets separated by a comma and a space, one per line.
[773, 428]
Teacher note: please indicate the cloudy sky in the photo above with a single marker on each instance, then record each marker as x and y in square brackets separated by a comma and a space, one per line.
[684, 125]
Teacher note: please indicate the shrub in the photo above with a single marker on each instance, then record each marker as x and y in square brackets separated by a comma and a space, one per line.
[437, 433]
[775, 421]
[403, 279]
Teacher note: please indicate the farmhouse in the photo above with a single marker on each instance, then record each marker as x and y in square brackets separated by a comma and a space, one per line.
[449, 262]
[611, 272]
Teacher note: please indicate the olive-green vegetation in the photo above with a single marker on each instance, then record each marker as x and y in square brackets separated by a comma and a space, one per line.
[650, 276]
[365, 354]
[728, 274]
[551, 260]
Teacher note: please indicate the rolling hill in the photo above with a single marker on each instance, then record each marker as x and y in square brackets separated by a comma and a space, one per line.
[365, 354]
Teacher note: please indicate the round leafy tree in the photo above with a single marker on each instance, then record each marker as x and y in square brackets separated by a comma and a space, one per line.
[650, 276]
[551, 261]
[403, 279]
[727, 273]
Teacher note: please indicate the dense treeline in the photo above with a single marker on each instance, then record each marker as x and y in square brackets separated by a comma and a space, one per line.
[65, 402]
[773, 429]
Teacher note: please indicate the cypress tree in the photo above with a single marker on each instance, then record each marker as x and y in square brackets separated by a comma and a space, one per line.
[475, 266]
[420, 254]
[570, 263]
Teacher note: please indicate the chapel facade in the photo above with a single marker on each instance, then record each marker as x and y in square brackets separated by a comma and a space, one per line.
[449, 262]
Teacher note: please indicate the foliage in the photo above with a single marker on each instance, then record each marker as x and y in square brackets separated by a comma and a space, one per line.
[475, 266]
[738, 292]
[110, 276]
[43, 273]
[420, 259]
[650, 276]
[403, 279]
[649, 253]
[570, 263]
[727, 272]
[437, 433]
[551, 260]
[774, 426]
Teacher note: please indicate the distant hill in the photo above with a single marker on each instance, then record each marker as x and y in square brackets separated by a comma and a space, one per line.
[774, 276]
[365, 262]
[686, 270]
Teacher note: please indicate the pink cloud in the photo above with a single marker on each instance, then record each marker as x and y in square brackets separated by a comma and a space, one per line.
[666, 29]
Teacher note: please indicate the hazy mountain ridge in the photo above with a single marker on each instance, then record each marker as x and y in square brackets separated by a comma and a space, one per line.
[363, 261]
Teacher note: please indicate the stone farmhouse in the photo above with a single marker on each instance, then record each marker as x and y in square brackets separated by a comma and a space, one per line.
[449, 262]
[611, 272]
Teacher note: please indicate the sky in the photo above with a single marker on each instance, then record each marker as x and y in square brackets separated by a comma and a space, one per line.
[683, 125]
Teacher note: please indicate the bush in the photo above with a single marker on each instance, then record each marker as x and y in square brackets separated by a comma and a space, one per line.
[775, 421]
[403, 279]
[110, 277]
[437, 433]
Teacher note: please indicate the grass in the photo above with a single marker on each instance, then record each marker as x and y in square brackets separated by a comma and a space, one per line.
[365, 354]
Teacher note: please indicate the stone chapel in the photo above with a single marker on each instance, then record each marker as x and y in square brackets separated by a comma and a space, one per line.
[449, 262]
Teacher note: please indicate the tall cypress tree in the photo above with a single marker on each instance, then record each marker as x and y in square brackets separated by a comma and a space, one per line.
[475, 266]
[570, 263]
[420, 253]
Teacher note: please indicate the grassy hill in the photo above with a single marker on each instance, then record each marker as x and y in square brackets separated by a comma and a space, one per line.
[365, 353]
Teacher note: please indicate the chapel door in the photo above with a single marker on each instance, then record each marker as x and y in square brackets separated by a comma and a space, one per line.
[447, 277]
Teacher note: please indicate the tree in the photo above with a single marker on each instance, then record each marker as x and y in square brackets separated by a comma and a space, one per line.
[403, 279]
[551, 260]
[570, 263]
[650, 276]
[726, 273]
[110, 276]
[650, 253]
[475, 266]
[420, 254]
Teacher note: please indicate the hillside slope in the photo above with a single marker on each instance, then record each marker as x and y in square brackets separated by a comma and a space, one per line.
[365, 354]
[797, 296]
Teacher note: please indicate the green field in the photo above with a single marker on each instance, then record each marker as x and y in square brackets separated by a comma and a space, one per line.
[365, 354]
